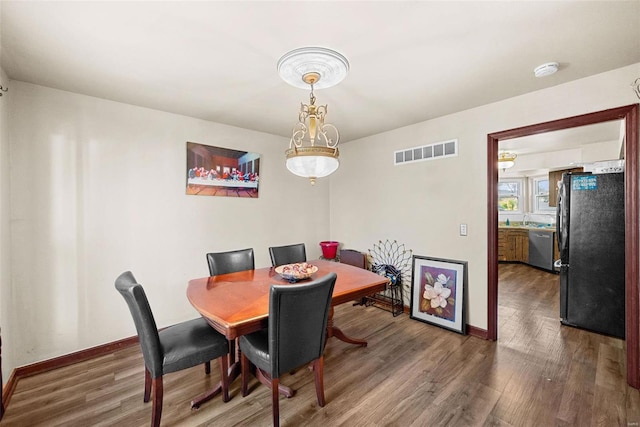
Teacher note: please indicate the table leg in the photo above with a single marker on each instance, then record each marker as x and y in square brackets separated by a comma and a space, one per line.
[233, 372]
[282, 389]
[334, 331]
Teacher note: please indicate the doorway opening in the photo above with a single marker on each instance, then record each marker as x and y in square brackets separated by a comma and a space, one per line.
[632, 273]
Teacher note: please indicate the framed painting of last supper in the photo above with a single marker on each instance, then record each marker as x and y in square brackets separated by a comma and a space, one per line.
[218, 171]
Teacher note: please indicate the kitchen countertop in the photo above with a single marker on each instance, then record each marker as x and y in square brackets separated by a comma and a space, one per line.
[527, 227]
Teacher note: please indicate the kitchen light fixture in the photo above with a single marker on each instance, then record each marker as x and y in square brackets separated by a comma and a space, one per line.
[546, 69]
[506, 160]
[317, 155]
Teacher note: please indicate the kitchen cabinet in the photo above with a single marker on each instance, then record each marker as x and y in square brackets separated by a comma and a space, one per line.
[513, 245]
[554, 178]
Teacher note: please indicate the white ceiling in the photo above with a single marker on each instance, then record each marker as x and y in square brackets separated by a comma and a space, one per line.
[410, 61]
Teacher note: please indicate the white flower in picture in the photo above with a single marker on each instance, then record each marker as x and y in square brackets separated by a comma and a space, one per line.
[437, 294]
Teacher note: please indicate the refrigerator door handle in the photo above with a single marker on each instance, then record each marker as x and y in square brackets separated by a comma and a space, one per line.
[561, 217]
[559, 225]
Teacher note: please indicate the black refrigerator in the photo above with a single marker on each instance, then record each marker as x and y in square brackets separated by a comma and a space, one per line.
[590, 231]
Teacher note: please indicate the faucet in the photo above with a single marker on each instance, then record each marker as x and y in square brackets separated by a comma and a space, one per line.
[525, 219]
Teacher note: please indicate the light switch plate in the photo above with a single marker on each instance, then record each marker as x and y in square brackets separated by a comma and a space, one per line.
[463, 229]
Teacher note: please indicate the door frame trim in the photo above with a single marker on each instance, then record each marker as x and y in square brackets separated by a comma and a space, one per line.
[631, 186]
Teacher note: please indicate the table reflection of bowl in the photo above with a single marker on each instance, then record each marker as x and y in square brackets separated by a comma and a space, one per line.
[295, 272]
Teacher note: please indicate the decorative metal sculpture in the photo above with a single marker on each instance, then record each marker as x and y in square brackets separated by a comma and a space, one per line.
[392, 260]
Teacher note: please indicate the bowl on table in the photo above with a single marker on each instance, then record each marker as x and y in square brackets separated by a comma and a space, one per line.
[297, 271]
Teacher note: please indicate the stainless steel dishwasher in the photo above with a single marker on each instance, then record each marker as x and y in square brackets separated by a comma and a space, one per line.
[541, 249]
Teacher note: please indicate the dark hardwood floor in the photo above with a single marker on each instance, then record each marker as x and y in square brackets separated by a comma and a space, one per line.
[538, 373]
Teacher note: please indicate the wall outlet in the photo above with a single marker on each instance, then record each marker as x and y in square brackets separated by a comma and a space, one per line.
[463, 229]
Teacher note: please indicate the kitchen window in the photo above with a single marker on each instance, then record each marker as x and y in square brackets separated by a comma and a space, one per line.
[510, 195]
[540, 193]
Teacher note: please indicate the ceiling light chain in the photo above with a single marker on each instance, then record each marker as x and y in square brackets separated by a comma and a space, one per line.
[312, 97]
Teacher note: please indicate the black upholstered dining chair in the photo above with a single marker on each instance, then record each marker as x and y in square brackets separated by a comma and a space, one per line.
[172, 349]
[288, 254]
[230, 262]
[295, 336]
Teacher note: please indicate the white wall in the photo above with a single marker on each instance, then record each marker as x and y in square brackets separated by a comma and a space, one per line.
[5, 233]
[422, 204]
[98, 187]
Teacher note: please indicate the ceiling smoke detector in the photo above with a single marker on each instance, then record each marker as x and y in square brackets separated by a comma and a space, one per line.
[546, 69]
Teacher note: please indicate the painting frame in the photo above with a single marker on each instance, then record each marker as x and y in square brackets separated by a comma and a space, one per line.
[219, 171]
[445, 281]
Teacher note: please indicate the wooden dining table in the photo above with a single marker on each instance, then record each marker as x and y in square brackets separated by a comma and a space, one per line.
[237, 304]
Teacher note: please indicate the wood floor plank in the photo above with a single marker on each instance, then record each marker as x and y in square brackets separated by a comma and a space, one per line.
[577, 396]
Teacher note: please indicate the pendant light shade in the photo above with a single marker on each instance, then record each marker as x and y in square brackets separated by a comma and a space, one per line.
[312, 162]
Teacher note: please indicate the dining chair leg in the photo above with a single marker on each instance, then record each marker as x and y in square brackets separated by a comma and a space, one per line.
[244, 367]
[147, 384]
[318, 368]
[275, 396]
[157, 402]
[207, 367]
[224, 377]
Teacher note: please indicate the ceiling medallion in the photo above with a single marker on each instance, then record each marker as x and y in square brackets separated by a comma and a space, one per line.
[330, 66]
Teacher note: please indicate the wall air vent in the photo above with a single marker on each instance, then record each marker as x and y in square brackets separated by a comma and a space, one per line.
[437, 150]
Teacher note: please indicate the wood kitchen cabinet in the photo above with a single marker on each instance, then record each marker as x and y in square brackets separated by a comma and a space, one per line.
[554, 178]
[502, 244]
[513, 245]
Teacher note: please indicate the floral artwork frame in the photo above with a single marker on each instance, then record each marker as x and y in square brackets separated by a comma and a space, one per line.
[438, 292]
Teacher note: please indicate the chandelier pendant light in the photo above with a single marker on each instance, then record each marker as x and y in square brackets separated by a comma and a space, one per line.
[313, 161]
[506, 160]
[313, 148]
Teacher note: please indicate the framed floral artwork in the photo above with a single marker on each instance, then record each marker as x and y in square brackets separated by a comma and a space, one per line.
[438, 292]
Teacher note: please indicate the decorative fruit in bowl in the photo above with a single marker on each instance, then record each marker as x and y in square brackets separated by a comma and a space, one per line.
[297, 271]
